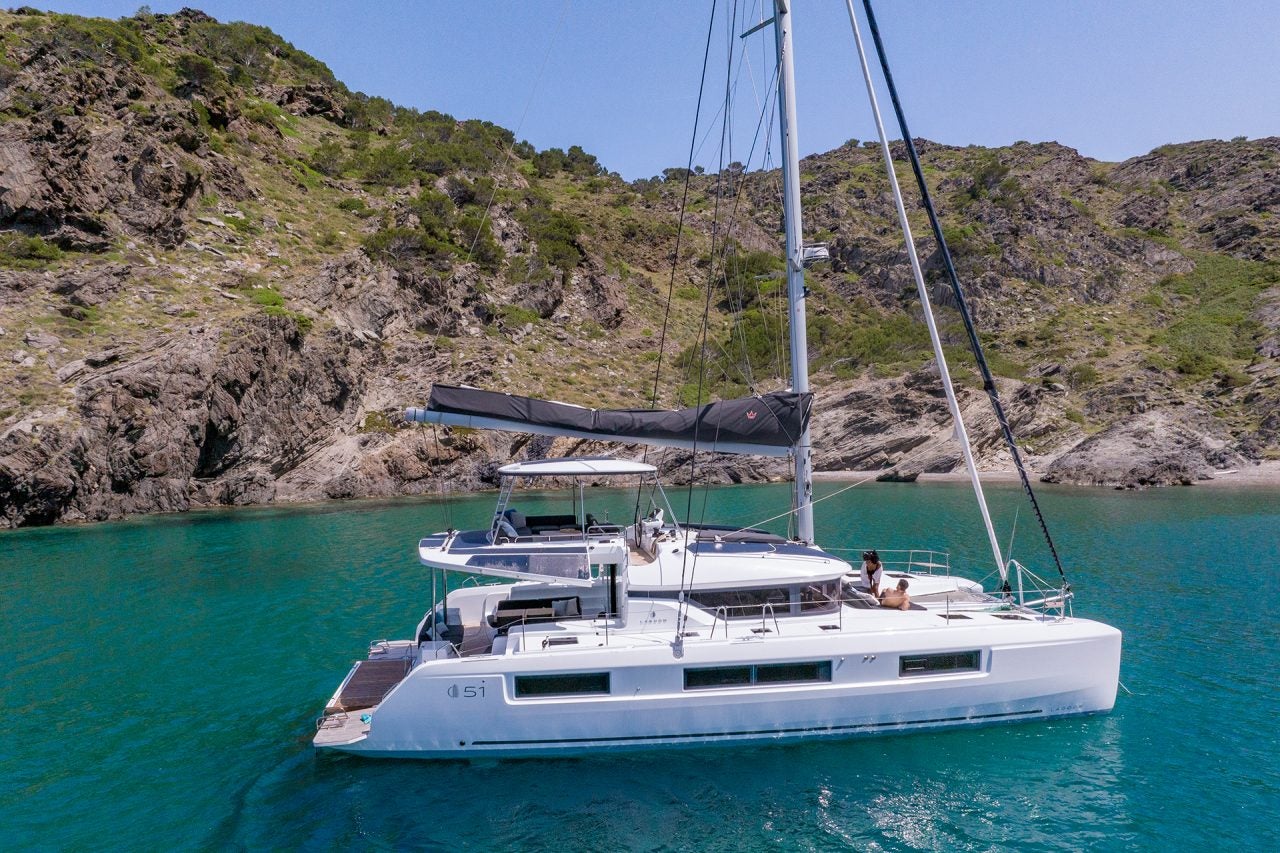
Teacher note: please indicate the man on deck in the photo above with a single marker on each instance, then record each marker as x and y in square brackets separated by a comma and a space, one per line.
[896, 598]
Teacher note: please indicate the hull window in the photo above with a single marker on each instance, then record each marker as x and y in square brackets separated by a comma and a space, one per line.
[720, 676]
[710, 678]
[563, 684]
[785, 673]
[930, 664]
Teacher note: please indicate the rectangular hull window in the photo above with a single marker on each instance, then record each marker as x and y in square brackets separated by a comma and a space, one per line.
[784, 673]
[933, 664]
[563, 684]
[720, 676]
[709, 678]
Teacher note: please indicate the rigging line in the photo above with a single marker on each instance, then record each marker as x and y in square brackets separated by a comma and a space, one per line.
[766, 112]
[764, 122]
[988, 382]
[684, 205]
[737, 82]
[736, 297]
[702, 370]
[675, 255]
[1013, 534]
[780, 347]
[939, 356]
[448, 504]
[515, 134]
[726, 144]
[814, 502]
[919, 451]
[764, 62]
[711, 126]
[685, 569]
[683, 609]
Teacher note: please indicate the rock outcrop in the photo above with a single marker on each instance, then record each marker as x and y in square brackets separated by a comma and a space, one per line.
[1153, 449]
[222, 275]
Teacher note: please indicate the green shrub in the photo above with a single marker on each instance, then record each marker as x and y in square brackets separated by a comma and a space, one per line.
[356, 205]
[870, 338]
[1215, 312]
[21, 252]
[265, 113]
[515, 316]
[96, 40]
[267, 297]
[556, 235]
[328, 158]
[435, 213]
[376, 422]
[198, 71]
[476, 239]
[404, 248]
[387, 165]
[1002, 365]
[1082, 375]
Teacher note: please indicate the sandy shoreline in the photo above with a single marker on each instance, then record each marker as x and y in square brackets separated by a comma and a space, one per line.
[1264, 474]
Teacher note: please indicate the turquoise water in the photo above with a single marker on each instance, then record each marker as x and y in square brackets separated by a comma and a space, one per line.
[162, 676]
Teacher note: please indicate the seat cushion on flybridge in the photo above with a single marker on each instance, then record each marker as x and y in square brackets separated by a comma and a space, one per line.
[372, 680]
[550, 523]
[528, 610]
[519, 523]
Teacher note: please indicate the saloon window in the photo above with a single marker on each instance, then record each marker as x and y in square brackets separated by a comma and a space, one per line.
[563, 684]
[933, 664]
[788, 673]
[708, 678]
[819, 597]
[745, 602]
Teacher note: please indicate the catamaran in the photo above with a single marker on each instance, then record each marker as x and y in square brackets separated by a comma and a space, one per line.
[587, 635]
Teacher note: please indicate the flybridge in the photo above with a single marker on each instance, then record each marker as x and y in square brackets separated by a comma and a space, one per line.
[766, 424]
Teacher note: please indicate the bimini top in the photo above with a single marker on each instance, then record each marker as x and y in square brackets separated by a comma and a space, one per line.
[580, 466]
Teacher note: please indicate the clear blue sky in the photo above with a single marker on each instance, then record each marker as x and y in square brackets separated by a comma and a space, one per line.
[1111, 79]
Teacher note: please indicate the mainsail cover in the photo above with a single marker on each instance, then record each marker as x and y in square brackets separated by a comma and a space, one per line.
[766, 424]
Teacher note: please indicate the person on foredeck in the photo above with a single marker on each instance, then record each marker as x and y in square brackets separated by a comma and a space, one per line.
[872, 572]
[896, 599]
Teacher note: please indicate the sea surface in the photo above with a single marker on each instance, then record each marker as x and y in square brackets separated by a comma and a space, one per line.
[162, 676]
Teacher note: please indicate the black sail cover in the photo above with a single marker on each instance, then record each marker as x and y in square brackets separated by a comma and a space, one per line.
[767, 424]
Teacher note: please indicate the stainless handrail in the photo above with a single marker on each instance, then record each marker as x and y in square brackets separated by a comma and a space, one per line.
[720, 611]
[767, 607]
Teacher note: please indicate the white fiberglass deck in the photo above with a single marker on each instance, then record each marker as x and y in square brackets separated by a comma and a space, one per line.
[851, 670]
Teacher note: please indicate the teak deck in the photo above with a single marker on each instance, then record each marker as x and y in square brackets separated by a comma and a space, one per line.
[372, 680]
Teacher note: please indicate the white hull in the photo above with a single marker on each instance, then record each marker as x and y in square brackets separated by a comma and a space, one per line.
[466, 707]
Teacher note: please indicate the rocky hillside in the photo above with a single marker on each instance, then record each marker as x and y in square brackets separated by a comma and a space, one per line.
[222, 275]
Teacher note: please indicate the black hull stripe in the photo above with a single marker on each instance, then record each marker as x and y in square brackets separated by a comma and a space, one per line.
[745, 733]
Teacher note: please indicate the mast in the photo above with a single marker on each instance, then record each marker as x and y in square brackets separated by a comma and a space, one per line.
[802, 450]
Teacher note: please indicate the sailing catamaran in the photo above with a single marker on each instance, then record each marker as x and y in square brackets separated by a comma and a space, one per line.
[661, 633]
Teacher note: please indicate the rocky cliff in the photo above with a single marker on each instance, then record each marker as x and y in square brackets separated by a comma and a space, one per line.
[222, 274]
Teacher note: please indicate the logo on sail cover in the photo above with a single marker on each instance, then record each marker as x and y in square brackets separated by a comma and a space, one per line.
[751, 415]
